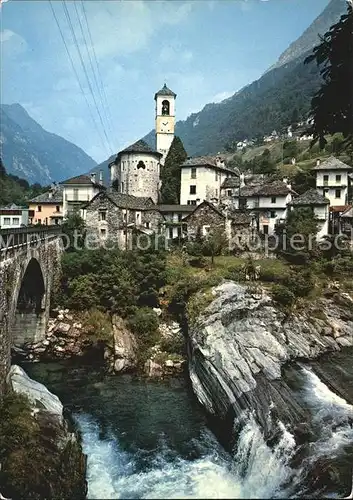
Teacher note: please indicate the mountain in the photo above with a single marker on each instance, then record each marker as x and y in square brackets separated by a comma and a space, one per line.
[34, 154]
[266, 104]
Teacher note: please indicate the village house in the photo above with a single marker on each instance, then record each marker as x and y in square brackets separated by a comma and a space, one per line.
[174, 224]
[229, 189]
[204, 219]
[77, 191]
[347, 222]
[47, 208]
[13, 216]
[332, 180]
[202, 178]
[320, 207]
[116, 216]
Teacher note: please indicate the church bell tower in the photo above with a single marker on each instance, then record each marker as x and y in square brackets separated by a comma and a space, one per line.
[165, 120]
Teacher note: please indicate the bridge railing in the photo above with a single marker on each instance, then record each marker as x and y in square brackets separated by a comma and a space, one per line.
[12, 240]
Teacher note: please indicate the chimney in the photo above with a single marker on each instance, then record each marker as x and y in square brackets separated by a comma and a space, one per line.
[101, 177]
[93, 177]
[50, 194]
[242, 180]
[318, 161]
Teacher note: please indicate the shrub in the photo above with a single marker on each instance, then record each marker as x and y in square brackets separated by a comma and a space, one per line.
[283, 295]
[97, 324]
[300, 283]
[144, 324]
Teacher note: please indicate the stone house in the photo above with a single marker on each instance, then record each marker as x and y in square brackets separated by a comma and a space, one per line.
[320, 207]
[114, 216]
[204, 219]
[229, 189]
[333, 180]
[202, 178]
[347, 222]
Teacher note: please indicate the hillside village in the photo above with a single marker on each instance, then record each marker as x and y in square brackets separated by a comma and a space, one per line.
[213, 195]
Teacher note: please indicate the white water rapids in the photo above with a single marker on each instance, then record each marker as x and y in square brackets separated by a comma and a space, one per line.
[254, 470]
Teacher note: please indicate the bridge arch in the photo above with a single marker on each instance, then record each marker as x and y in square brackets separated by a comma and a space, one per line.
[30, 319]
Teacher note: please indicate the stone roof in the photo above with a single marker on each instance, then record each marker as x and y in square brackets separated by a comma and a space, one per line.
[165, 91]
[82, 180]
[240, 218]
[13, 206]
[176, 208]
[129, 201]
[230, 182]
[310, 197]
[348, 213]
[208, 203]
[139, 147]
[276, 188]
[246, 191]
[333, 163]
[206, 161]
[50, 196]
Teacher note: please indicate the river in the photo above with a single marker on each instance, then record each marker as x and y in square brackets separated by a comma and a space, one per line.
[148, 439]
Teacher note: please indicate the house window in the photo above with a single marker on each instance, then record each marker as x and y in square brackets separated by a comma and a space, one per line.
[326, 191]
[7, 221]
[192, 189]
[265, 229]
[338, 178]
[75, 194]
[205, 230]
[325, 179]
[179, 217]
[103, 233]
[147, 224]
[229, 192]
[191, 202]
[56, 222]
[193, 172]
[273, 199]
[15, 221]
[338, 193]
[171, 233]
[39, 208]
[216, 176]
[242, 203]
[102, 215]
[39, 221]
[122, 187]
[57, 208]
[272, 214]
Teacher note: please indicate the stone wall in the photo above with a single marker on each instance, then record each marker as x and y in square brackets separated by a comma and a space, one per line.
[12, 271]
[204, 215]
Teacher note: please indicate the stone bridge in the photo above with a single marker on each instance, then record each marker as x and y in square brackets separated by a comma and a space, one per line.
[29, 265]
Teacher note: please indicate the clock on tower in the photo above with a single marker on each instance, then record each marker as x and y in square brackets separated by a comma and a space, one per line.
[165, 120]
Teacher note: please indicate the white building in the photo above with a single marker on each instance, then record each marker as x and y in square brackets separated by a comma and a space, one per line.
[320, 207]
[13, 217]
[77, 191]
[332, 180]
[135, 171]
[202, 178]
[165, 120]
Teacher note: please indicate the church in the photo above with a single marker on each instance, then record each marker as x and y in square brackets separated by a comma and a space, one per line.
[136, 169]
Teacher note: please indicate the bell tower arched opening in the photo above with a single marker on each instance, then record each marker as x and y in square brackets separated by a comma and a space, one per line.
[165, 107]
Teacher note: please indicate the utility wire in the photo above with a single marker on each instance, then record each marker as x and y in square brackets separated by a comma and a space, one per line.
[76, 74]
[110, 119]
[67, 14]
[104, 109]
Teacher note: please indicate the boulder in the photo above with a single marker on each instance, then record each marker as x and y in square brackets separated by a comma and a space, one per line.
[124, 346]
[153, 369]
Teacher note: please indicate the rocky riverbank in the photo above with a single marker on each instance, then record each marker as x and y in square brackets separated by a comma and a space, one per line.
[40, 452]
[73, 334]
[241, 341]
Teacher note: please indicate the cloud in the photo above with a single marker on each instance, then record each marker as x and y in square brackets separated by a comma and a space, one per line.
[221, 96]
[12, 44]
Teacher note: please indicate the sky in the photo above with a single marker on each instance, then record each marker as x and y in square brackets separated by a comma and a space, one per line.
[205, 50]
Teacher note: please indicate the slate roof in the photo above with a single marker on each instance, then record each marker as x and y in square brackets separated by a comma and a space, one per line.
[82, 180]
[246, 191]
[206, 161]
[129, 201]
[176, 208]
[276, 188]
[138, 147]
[230, 182]
[332, 163]
[205, 202]
[240, 218]
[348, 213]
[165, 91]
[56, 196]
[310, 197]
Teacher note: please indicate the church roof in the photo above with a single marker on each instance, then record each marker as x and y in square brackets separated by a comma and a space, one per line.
[332, 163]
[139, 147]
[165, 92]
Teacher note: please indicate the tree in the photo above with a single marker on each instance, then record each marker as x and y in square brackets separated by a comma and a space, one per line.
[331, 106]
[74, 228]
[215, 242]
[171, 172]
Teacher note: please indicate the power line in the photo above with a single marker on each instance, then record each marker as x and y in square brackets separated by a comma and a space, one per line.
[110, 119]
[76, 74]
[93, 70]
[67, 14]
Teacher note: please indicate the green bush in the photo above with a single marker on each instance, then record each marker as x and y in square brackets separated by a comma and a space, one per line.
[283, 295]
[144, 324]
[300, 283]
[97, 325]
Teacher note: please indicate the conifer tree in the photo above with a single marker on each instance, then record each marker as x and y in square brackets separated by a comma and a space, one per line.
[171, 172]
